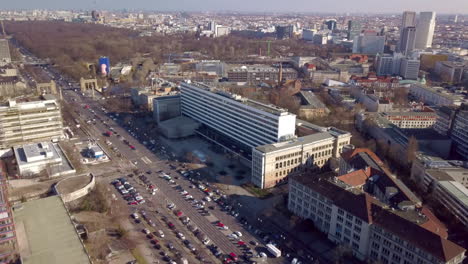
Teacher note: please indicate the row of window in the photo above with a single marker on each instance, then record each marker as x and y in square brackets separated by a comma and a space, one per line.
[299, 153]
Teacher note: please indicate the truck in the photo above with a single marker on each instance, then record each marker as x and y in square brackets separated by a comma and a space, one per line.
[273, 250]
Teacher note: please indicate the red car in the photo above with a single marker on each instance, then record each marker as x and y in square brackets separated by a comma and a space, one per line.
[132, 147]
[220, 224]
[179, 213]
[233, 256]
[170, 225]
[133, 203]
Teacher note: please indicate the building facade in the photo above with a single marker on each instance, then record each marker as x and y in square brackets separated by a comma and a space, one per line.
[29, 122]
[5, 56]
[245, 121]
[8, 241]
[259, 73]
[425, 30]
[459, 133]
[412, 119]
[166, 107]
[449, 71]
[437, 96]
[407, 41]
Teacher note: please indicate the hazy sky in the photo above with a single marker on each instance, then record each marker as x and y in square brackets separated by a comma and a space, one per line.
[339, 6]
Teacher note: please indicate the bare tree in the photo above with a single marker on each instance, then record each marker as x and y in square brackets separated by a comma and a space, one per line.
[411, 150]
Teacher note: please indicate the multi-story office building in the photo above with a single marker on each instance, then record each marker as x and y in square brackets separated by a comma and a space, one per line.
[407, 40]
[7, 226]
[409, 68]
[412, 119]
[460, 132]
[425, 30]
[331, 24]
[368, 44]
[308, 34]
[28, 122]
[384, 64]
[436, 96]
[450, 71]
[256, 74]
[368, 227]
[408, 19]
[445, 117]
[284, 31]
[273, 164]
[166, 107]
[354, 29]
[245, 122]
[5, 57]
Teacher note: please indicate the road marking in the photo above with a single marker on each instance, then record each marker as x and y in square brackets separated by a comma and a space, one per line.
[146, 160]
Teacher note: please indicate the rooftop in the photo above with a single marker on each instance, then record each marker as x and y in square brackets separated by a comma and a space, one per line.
[457, 190]
[310, 139]
[49, 236]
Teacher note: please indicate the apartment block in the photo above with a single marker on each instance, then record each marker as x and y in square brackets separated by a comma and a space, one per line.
[368, 227]
[243, 121]
[28, 122]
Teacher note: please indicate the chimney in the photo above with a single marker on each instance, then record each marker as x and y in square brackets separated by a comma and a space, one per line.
[280, 74]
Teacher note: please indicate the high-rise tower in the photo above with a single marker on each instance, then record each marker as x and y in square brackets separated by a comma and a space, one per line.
[425, 30]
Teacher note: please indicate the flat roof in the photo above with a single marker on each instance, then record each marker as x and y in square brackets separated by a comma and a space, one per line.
[457, 190]
[314, 138]
[49, 235]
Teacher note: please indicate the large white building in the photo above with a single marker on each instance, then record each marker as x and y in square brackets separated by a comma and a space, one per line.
[28, 122]
[242, 120]
[425, 30]
[409, 68]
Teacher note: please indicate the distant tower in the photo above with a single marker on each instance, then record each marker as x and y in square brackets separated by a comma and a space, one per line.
[407, 40]
[354, 29]
[331, 24]
[425, 30]
[409, 19]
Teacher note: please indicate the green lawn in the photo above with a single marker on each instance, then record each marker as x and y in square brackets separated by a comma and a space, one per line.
[260, 193]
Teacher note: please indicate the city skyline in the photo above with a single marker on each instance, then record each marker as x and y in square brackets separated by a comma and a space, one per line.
[302, 6]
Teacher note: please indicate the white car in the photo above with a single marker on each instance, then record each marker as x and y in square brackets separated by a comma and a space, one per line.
[239, 234]
[146, 231]
[233, 236]
[160, 233]
[123, 191]
[138, 198]
[181, 236]
[208, 199]
[135, 216]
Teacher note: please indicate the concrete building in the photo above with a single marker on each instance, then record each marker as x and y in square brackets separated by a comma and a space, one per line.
[308, 34]
[221, 31]
[446, 180]
[370, 228]
[5, 56]
[384, 64]
[459, 133]
[423, 119]
[425, 30]
[445, 117]
[407, 40]
[284, 31]
[272, 164]
[311, 106]
[330, 24]
[256, 74]
[215, 66]
[368, 44]
[408, 19]
[31, 159]
[166, 107]
[246, 122]
[354, 29]
[450, 71]
[409, 68]
[30, 122]
[8, 239]
[436, 96]
[319, 77]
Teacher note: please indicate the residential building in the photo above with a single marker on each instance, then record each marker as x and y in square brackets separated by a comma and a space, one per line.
[450, 71]
[407, 40]
[370, 228]
[459, 132]
[409, 68]
[256, 74]
[8, 239]
[246, 122]
[436, 96]
[425, 30]
[28, 122]
[368, 44]
[354, 29]
[422, 119]
[272, 164]
[5, 56]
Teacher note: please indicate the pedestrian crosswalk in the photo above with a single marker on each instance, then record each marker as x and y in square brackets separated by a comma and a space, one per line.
[146, 160]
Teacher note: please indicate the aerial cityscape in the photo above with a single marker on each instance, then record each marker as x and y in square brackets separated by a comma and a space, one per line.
[218, 132]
